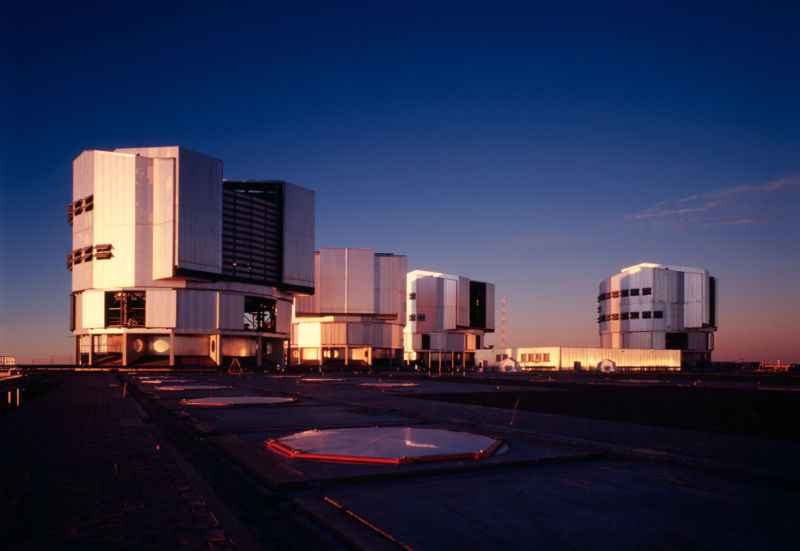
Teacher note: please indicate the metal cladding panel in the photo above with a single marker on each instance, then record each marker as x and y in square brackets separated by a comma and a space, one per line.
[359, 334]
[490, 307]
[83, 224]
[622, 357]
[360, 281]
[298, 236]
[94, 304]
[462, 317]
[78, 312]
[390, 286]
[231, 311]
[197, 310]
[115, 218]
[332, 288]
[427, 303]
[308, 335]
[658, 340]
[451, 296]
[309, 304]
[240, 347]
[199, 221]
[161, 308]
[283, 320]
[334, 334]
[695, 312]
[163, 182]
[640, 339]
[191, 345]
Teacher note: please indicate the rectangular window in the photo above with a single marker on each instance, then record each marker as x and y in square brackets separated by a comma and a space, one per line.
[546, 357]
[125, 308]
[614, 317]
[412, 317]
[647, 291]
[420, 317]
[412, 296]
[624, 315]
[646, 315]
[260, 314]
[614, 294]
[498, 358]
[634, 315]
[623, 293]
[634, 292]
[658, 314]
[426, 342]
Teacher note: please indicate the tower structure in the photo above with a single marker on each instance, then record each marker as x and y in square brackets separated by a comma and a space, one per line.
[172, 264]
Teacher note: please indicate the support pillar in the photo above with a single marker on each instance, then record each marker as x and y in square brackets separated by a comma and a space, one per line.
[171, 349]
[91, 349]
[259, 351]
[77, 351]
[124, 348]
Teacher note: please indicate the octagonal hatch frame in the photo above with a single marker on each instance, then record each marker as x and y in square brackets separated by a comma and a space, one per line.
[287, 450]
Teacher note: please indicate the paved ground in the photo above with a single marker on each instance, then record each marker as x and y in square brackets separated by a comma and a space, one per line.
[92, 463]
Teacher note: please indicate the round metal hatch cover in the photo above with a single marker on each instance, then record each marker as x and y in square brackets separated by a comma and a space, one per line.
[393, 445]
[223, 401]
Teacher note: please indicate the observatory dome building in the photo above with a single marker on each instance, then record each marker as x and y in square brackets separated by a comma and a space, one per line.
[172, 264]
[662, 308]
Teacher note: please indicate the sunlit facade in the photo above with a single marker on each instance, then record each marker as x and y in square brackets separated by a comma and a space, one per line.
[172, 264]
[448, 317]
[565, 358]
[357, 314]
[650, 306]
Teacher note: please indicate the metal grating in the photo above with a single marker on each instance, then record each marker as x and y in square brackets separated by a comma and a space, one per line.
[252, 231]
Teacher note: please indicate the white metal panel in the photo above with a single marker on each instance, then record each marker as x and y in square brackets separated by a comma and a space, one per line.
[390, 285]
[695, 299]
[332, 287]
[463, 303]
[283, 321]
[298, 236]
[163, 183]
[308, 335]
[359, 334]
[334, 334]
[426, 304]
[360, 278]
[115, 218]
[451, 300]
[199, 225]
[191, 345]
[161, 308]
[94, 309]
[238, 346]
[197, 310]
[231, 311]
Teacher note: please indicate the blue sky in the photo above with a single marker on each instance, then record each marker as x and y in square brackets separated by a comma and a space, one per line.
[541, 148]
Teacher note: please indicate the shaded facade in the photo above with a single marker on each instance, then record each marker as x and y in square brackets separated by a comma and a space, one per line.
[357, 313]
[650, 306]
[172, 264]
[448, 317]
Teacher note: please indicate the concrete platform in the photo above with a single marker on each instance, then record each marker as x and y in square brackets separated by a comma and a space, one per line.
[89, 462]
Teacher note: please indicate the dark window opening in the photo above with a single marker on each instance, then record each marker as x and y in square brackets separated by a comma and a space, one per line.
[420, 317]
[426, 341]
[260, 314]
[614, 294]
[634, 292]
[647, 291]
[412, 296]
[712, 301]
[624, 293]
[658, 314]
[677, 341]
[412, 317]
[646, 315]
[125, 308]
[624, 315]
[477, 342]
[634, 315]
[477, 304]
[614, 317]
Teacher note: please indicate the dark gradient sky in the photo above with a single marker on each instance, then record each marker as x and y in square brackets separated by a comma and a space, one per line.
[541, 148]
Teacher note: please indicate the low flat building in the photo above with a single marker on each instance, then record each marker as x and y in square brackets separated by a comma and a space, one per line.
[564, 358]
[357, 314]
[171, 264]
[448, 317]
